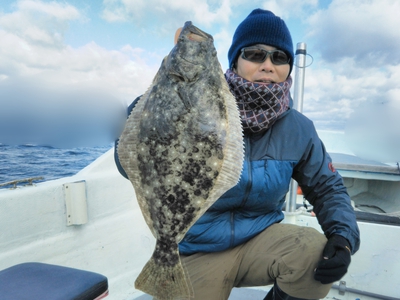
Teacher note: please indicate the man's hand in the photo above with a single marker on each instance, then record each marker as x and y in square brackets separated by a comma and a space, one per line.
[336, 260]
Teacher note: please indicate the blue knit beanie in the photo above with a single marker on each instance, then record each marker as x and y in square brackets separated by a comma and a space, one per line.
[261, 27]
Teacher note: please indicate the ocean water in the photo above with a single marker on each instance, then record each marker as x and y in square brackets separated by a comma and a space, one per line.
[26, 161]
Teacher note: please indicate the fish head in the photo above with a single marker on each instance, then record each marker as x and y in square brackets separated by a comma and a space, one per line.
[192, 54]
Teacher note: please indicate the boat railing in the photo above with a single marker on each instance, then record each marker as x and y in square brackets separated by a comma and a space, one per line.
[385, 169]
[14, 183]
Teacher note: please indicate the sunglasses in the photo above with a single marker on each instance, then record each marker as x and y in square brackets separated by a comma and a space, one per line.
[259, 55]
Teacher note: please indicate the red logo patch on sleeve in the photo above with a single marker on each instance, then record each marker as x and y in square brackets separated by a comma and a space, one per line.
[331, 167]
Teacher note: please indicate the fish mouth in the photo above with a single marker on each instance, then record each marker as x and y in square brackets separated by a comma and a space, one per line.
[189, 64]
[194, 33]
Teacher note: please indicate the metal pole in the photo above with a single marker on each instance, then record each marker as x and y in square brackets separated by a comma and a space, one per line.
[298, 93]
[300, 68]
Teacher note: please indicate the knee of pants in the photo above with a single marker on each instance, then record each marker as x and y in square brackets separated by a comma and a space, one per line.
[296, 274]
[284, 253]
[304, 255]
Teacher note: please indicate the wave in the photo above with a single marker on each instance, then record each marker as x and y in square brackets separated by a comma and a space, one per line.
[24, 161]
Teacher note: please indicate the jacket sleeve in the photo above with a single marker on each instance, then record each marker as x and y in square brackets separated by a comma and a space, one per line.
[323, 187]
[116, 158]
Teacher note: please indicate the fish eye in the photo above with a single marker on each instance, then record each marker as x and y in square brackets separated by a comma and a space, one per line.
[176, 77]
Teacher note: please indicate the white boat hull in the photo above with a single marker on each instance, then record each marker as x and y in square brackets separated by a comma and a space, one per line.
[117, 243]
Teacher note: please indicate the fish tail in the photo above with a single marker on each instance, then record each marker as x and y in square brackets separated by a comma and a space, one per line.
[165, 282]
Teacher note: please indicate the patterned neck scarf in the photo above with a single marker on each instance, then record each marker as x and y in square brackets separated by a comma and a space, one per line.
[260, 104]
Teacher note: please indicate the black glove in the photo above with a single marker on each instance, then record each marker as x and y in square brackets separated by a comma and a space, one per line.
[336, 260]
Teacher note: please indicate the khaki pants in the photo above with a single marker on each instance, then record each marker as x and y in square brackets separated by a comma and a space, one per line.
[285, 253]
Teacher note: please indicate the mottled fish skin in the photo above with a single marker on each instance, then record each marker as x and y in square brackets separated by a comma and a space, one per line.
[182, 148]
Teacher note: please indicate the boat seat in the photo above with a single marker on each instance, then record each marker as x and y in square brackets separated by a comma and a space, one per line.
[39, 281]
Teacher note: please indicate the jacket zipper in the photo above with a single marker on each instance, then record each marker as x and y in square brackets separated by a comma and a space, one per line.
[248, 188]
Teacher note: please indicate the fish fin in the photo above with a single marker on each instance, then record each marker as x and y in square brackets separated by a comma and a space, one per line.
[127, 154]
[165, 282]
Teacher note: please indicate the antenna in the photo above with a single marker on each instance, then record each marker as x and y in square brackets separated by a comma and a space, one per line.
[300, 68]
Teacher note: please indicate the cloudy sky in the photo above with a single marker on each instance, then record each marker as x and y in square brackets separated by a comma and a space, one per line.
[67, 62]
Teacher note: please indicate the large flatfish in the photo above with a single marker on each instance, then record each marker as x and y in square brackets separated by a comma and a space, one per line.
[182, 148]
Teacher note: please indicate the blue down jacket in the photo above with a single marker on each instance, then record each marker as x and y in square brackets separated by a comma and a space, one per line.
[289, 149]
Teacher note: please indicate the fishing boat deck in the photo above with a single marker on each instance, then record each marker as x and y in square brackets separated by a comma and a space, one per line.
[114, 240]
[237, 294]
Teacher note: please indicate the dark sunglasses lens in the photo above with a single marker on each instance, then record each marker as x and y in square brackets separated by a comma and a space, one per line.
[258, 55]
[279, 58]
[255, 55]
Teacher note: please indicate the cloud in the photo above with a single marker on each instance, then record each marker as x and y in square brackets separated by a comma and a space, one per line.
[49, 86]
[364, 30]
[159, 19]
[333, 94]
[31, 49]
[355, 48]
[289, 8]
[39, 23]
[354, 45]
[167, 15]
